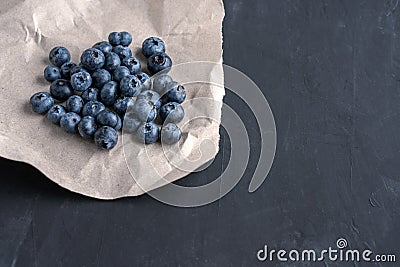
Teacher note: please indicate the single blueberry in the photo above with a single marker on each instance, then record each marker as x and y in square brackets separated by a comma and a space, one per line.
[59, 55]
[172, 112]
[93, 59]
[170, 134]
[75, 104]
[145, 110]
[90, 94]
[132, 63]
[61, 90]
[78, 69]
[175, 93]
[69, 122]
[145, 79]
[121, 105]
[55, 113]
[87, 127]
[81, 81]
[131, 123]
[114, 38]
[41, 102]
[92, 108]
[103, 46]
[148, 133]
[107, 118]
[100, 77]
[112, 62]
[160, 83]
[120, 73]
[158, 62]
[108, 93]
[130, 86]
[152, 46]
[66, 69]
[126, 38]
[152, 96]
[122, 51]
[52, 73]
[106, 137]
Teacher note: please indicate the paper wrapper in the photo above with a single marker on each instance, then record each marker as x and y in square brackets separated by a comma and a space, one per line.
[30, 28]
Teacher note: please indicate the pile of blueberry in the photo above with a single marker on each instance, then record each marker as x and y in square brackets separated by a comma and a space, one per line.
[98, 91]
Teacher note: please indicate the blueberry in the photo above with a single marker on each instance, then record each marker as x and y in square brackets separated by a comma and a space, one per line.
[112, 62]
[130, 86]
[160, 83]
[92, 108]
[78, 69]
[90, 94]
[119, 124]
[172, 112]
[151, 96]
[126, 38]
[66, 69]
[170, 134]
[107, 118]
[100, 77]
[52, 73]
[61, 90]
[69, 122]
[175, 93]
[103, 46]
[132, 63]
[145, 110]
[108, 93]
[87, 127]
[148, 133]
[122, 51]
[145, 79]
[55, 113]
[131, 123]
[59, 55]
[114, 38]
[121, 105]
[75, 104]
[152, 46]
[41, 102]
[81, 81]
[120, 73]
[106, 137]
[158, 62]
[93, 59]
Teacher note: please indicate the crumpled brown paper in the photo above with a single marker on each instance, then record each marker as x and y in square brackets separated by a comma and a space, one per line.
[30, 28]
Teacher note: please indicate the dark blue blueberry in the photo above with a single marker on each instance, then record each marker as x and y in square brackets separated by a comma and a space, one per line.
[106, 137]
[145, 110]
[152, 45]
[55, 113]
[52, 73]
[121, 105]
[92, 108]
[145, 79]
[87, 127]
[61, 90]
[75, 104]
[100, 77]
[114, 38]
[132, 63]
[172, 112]
[41, 102]
[69, 122]
[126, 38]
[59, 55]
[120, 73]
[160, 83]
[119, 124]
[108, 93]
[112, 62]
[175, 93]
[93, 59]
[130, 86]
[131, 123]
[170, 134]
[122, 51]
[81, 81]
[66, 69]
[158, 62]
[90, 94]
[151, 96]
[78, 69]
[107, 118]
[103, 46]
[148, 133]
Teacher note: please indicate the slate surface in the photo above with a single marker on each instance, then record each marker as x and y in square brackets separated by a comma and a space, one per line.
[330, 71]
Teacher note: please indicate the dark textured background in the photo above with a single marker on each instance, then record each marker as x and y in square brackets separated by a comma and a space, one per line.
[331, 72]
